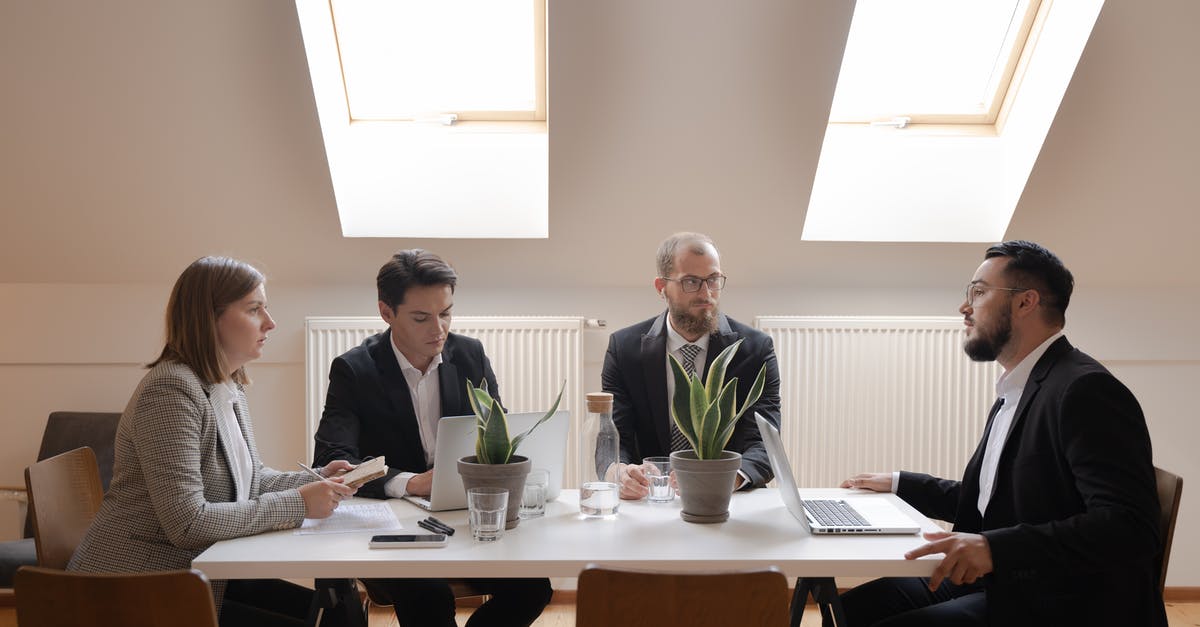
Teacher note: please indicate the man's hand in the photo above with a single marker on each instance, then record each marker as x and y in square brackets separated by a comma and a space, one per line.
[967, 557]
[874, 481]
[634, 484]
[420, 485]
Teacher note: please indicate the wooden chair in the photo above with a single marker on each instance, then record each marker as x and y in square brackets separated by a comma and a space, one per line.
[65, 430]
[1170, 491]
[632, 599]
[52, 598]
[64, 495]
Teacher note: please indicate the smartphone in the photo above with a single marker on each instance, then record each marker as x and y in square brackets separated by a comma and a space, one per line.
[408, 541]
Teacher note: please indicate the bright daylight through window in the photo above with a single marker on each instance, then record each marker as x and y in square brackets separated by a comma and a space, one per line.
[418, 59]
[930, 60]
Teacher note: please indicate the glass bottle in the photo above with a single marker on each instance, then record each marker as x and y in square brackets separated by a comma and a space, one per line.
[599, 494]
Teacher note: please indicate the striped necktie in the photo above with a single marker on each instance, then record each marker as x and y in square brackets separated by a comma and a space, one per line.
[689, 352]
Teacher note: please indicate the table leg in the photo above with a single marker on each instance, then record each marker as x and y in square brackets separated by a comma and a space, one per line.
[824, 593]
[336, 604]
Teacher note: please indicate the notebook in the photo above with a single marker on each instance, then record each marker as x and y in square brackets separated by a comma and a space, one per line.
[546, 448]
[849, 515]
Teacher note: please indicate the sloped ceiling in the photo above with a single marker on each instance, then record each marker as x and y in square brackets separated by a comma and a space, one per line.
[137, 136]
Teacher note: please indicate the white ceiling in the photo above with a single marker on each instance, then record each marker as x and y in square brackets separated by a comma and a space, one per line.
[137, 136]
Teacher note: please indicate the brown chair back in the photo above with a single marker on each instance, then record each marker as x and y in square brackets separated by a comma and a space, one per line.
[64, 495]
[179, 598]
[628, 598]
[1170, 491]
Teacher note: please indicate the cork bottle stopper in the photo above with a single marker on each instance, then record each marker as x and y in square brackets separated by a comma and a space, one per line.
[599, 402]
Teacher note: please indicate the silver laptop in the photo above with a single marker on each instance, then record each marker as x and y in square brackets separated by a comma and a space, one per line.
[849, 515]
[546, 448]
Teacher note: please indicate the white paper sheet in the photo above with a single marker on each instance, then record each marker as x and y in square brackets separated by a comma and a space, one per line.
[356, 517]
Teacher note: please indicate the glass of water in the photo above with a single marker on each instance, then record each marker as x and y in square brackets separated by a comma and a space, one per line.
[487, 508]
[599, 499]
[533, 498]
[658, 472]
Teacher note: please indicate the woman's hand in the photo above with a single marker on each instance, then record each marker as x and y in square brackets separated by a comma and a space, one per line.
[322, 497]
[873, 481]
[335, 468]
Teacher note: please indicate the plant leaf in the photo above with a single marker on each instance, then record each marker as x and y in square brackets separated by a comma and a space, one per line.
[494, 440]
[725, 430]
[699, 407]
[520, 438]
[756, 391]
[708, 431]
[716, 371]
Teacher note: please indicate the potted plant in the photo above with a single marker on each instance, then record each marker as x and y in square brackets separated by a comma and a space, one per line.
[495, 463]
[706, 414]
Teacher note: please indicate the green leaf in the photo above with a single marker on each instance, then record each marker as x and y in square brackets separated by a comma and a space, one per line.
[711, 423]
[699, 406]
[716, 370]
[728, 422]
[550, 413]
[495, 441]
[756, 391]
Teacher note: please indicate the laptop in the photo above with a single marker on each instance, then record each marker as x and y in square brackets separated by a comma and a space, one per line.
[546, 448]
[849, 515]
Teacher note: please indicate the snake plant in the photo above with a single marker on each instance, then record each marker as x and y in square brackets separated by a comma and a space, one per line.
[492, 444]
[706, 412]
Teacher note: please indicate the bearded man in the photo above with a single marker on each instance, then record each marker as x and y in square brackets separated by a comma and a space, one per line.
[638, 374]
[1056, 515]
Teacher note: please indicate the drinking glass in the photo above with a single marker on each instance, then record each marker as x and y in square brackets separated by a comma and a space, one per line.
[487, 508]
[658, 471]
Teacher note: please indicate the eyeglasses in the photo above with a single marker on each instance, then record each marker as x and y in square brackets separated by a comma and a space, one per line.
[975, 290]
[693, 283]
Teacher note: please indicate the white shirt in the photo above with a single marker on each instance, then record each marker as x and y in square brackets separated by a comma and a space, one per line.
[426, 392]
[1009, 387]
[223, 397]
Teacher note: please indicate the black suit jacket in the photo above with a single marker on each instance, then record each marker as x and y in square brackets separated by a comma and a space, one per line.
[369, 410]
[1073, 518]
[635, 372]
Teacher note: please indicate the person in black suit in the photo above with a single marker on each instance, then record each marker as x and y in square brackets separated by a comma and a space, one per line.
[1056, 515]
[636, 366]
[385, 398]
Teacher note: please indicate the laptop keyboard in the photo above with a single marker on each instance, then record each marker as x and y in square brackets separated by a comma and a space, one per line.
[834, 513]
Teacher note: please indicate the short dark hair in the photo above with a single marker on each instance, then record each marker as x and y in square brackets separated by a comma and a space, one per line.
[206, 289]
[412, 267]
[1033, 266]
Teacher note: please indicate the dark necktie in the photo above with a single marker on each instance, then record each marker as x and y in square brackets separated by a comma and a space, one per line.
[689, 352]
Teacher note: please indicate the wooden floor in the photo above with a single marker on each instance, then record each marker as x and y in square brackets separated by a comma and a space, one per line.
[561, 614]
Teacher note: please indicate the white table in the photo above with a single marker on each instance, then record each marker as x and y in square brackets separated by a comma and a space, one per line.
[759, 533]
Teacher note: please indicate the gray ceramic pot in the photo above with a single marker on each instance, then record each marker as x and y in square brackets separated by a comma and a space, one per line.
[510, 476]
[705, 485]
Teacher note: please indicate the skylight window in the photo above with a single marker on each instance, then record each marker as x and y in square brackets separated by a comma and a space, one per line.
[931, 61]
[418, 59]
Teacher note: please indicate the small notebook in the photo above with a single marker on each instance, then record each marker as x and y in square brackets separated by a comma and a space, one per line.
[369, 470]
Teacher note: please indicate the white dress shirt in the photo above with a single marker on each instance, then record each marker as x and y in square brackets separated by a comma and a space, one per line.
[223, 397]
[426, 392]
[1009, 387]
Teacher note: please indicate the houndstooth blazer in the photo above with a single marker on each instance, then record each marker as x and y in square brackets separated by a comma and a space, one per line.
[172, 494]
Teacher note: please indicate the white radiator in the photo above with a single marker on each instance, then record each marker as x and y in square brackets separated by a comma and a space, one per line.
[530, 355]
[878, 394]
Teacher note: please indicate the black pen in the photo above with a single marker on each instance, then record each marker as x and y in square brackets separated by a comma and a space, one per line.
[428, 526]
[447, 529]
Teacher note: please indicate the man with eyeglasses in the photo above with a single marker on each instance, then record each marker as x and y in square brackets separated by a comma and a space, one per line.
[1056, 518]
[637, 371]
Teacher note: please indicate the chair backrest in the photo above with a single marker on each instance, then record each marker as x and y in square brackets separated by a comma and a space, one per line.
[48, 597]
[64, 495]
[630, 598]
[68, 430]
[1170, 491]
